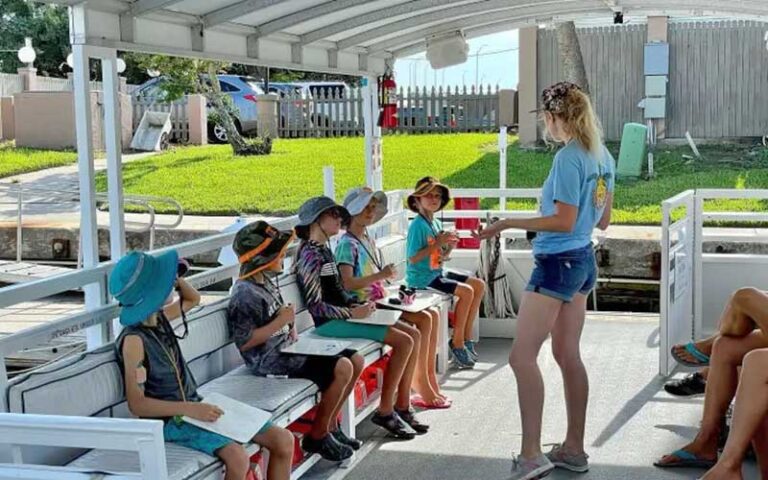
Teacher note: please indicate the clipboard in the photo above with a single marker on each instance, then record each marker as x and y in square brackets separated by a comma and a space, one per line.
[379, 317]
[424, 300]
[240, 421]
[316, 346]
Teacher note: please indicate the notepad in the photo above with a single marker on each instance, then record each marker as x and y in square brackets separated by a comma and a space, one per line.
[380, 317]
[240, 421]
[316, 346]
[423, 301]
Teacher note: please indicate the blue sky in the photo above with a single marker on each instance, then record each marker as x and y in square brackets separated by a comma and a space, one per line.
[497, 64]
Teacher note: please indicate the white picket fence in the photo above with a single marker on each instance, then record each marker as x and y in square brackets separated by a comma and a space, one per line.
[177, 109]
[10, 84]
[333, 113]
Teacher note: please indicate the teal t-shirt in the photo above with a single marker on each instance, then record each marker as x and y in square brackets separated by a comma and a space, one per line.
[581, 179]
[421, 235]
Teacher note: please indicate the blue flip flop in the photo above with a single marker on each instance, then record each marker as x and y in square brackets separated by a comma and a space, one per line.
[686, 460]
[690, 347]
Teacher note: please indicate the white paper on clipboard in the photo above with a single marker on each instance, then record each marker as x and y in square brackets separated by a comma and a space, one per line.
[316, 346]
[423, 301]
[240, 421]
[379, 317]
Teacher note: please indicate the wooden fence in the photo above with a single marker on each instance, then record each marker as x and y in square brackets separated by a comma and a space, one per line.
[177, 109]
[718, 80]
[420, 110]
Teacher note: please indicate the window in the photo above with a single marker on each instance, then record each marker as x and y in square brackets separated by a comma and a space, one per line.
[228, 87]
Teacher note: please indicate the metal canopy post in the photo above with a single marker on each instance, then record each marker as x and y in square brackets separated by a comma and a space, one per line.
[373, 152]
[95, 293]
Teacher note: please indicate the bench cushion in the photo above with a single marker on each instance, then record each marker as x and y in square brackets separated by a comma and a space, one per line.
[275, 395]
[84, 385]
[182, 462]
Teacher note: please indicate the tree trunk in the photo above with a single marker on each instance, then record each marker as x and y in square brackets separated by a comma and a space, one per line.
[216, 98]
[570, 52]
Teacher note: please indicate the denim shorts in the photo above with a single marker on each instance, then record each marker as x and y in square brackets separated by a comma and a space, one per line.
[563, 275]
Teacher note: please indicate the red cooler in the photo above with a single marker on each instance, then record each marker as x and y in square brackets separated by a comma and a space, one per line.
[467, 223]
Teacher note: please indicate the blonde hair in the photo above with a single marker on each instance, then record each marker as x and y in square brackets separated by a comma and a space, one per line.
[580, 121]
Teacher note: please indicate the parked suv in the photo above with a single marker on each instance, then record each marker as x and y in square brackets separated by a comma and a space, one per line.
[293, 112]
[322, 93]
[242, 90]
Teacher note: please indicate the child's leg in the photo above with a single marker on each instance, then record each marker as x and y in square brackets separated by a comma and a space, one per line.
[432, 353]
[358, 364]
[402, 345]
[466, 296]
[760, 444]
[332, 397]
[404, 388]
[478, 287]
[279, 442]
[423, 322]
[235, 460]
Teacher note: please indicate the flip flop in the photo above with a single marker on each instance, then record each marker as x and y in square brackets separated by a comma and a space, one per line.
[686, 460]
[439, 404]
[690, 347]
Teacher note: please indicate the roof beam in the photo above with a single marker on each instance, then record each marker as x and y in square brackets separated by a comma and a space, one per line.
[140, 7]
[239, 9]
[374, 16]
[513, 17]
[302, 16]
[485, 7]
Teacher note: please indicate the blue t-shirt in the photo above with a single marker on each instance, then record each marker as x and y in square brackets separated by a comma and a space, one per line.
[580, 179]
[421, 235]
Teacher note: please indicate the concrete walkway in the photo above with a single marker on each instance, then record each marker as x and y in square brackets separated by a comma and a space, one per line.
[631, 420]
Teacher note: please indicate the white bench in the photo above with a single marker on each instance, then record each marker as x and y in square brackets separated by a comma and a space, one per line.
[71, 415]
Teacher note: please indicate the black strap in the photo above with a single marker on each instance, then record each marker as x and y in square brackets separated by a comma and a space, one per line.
[376, 260]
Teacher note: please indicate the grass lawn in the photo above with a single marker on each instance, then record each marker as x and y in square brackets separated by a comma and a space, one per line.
[209, 180]
[22, 160]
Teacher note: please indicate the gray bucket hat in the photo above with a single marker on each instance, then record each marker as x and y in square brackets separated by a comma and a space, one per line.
[358, 199]
[311, 210]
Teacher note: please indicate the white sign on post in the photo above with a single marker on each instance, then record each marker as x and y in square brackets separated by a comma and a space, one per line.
[503, 165]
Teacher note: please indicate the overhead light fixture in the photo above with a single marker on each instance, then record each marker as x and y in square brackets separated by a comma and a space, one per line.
[618, 18]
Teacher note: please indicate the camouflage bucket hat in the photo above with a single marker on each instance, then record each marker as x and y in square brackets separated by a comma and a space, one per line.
[425, 186]
[553, 97]
[258, 246]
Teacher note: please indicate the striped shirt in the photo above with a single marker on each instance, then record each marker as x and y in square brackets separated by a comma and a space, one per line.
[321, 283]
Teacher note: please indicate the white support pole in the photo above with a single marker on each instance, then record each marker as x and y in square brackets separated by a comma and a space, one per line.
[374, 156]
[113, 140]
[329, 189]
[503, 165]
[89, 236]
[113, 137]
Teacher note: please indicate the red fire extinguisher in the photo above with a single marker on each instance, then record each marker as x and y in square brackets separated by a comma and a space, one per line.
[388, 101]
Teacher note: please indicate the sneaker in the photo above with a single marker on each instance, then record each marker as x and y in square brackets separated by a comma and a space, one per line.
[523, 469]
[327, 447]
[469, 346]
[693, 384]
[574, 463]
[461, 358]
[343, 439]
[409, 417]
[394, 425]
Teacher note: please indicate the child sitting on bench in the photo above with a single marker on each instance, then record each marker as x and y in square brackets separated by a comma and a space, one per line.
[158, 382]
[428, 247]
[262, 324]
[364, 273]
[330, 305]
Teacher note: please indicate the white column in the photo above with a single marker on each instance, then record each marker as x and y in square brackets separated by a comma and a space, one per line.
[113, 139]
[95, 294]
[374, 155]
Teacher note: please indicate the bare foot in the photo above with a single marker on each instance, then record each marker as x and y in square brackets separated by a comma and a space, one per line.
[720, 472]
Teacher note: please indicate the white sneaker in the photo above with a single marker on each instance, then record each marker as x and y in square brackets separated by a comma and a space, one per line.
[524, 469]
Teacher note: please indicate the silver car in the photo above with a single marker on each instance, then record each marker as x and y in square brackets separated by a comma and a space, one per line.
[243, 91]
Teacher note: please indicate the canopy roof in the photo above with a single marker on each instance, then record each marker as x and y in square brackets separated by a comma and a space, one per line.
[354, 37]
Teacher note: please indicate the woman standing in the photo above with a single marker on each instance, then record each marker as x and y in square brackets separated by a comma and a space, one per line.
[576, 197]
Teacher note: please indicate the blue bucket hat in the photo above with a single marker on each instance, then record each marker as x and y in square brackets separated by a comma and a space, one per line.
[142, 283]
[311, 210]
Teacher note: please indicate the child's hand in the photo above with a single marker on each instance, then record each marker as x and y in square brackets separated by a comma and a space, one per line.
[204, 412]
[294, 335]
[444, 238]
[364, 310]
[389, 272]
[287, 314]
